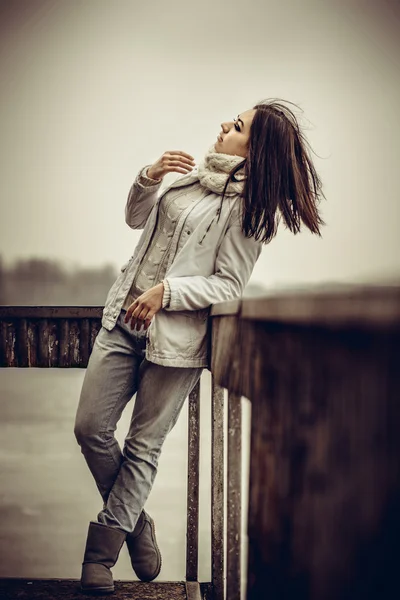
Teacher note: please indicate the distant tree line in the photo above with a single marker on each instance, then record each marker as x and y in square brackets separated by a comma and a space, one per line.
[48, 282]
[43, 282]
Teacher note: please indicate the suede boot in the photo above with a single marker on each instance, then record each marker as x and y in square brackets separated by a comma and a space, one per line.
[143, 550]
[103, 545]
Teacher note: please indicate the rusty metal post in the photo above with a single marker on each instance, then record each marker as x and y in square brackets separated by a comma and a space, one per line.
[192, 530]
[217, 491]
[233, 553]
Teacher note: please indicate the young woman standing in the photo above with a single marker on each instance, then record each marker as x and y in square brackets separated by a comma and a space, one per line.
[202, 236]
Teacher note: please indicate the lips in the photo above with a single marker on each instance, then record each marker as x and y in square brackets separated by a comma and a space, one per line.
[219, 138]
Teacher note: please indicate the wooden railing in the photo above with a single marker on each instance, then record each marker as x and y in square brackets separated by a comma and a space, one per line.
[322, 372]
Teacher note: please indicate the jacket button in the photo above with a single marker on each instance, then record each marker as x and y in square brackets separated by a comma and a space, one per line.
[188, 232]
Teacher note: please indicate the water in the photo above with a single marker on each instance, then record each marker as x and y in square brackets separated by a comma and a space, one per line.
[48, 495]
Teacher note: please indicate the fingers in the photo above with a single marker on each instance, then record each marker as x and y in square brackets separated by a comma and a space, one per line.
[181, 162]
[148, 319]
[172, 160]
[139, 322]
[176, 160]
[128, 314]
[178, 167]
[137, 315]
[138, 318]
[185, 157]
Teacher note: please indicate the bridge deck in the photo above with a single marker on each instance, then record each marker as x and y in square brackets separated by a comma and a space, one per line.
[69, 589]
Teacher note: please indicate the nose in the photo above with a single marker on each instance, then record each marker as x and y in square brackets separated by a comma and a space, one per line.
[225, 126]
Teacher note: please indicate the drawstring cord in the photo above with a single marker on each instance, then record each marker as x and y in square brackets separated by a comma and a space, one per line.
[215, 158]
[218, 212]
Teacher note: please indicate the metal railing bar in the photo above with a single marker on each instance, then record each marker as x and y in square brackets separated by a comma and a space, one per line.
[217, 490]
[192, 528]
[233, 543]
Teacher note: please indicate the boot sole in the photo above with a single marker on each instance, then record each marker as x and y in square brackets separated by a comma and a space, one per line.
[98, 590]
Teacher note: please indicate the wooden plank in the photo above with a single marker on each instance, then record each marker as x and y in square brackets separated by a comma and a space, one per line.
[43, 350]
[224, 345]
[248, 360]
[217, 490]
[50, 312]
[64, 343]
[54, 344]
[325, 469]
[74, 343]
[334, 304]
[230, 307]
[22, 343]
[10, 357]
[84, 338]
[192, 529]
[33, 342]
[339, 306]
[43, 342]
[234, 498]
[69, 589]
[3, 343]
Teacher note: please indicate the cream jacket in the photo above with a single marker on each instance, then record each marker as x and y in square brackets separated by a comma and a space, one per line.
[209, 262]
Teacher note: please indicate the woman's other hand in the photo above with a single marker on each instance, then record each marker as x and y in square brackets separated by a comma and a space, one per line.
[143, 309]
[172, 160]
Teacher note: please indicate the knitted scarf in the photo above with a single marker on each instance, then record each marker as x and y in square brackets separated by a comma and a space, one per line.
[214, 168]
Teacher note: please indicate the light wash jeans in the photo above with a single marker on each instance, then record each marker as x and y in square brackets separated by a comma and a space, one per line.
[117, 369]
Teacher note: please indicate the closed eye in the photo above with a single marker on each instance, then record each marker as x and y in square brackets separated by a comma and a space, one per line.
[236, 125]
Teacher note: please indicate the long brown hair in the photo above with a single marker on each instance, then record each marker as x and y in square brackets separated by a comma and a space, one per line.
[280, 178]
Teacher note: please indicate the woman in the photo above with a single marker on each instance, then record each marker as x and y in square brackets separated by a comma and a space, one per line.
[202, 236]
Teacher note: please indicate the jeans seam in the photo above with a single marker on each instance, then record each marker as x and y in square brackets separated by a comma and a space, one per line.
[176, 411]
[103, 431]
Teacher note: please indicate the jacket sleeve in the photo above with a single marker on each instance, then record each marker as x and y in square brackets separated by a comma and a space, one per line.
[141, 199]
[166, 294]
[234, 265]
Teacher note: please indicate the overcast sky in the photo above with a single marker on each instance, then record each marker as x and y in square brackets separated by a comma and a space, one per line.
[93, 90]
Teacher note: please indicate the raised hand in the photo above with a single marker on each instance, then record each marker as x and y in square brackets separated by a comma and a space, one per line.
[171, 160]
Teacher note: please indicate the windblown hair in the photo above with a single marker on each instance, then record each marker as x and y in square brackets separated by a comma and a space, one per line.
[280, 178]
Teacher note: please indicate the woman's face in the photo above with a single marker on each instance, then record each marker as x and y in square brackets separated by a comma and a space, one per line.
[234, 136]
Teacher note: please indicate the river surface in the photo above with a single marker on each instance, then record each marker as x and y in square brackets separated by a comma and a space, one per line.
[48, 495]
